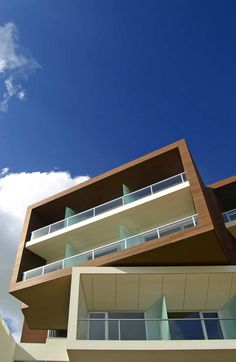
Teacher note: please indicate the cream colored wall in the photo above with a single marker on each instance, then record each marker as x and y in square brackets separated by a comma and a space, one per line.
[83, 313]
[7, 343]
[53, 350]
[73, 307]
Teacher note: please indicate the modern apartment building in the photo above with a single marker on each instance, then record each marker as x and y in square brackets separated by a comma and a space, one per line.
[137, 263]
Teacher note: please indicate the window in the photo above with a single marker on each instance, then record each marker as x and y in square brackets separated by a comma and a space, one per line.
[117, 326]
[194, 325]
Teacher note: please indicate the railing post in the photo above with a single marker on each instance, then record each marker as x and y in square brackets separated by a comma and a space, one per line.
[43, 271]
[119, 329]
[182, 178]
[63, 263]
[125, 243]
[49, 229]
[93, 254]
[194, 221]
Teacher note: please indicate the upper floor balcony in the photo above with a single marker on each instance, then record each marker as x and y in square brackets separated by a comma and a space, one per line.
[158, 204]
[110, 205]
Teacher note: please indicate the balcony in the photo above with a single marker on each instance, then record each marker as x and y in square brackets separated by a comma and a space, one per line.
[152, 314]
[135, 326]
[110, 205]
[230, 221]
[136, 216]
[113, 247]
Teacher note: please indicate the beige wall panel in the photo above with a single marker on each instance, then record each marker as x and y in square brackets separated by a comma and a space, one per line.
[173, 290]
[150, 289]
[127, 292]
[83, 313]
[104, 292]
[7, 343]
[196, 291]
[87, 284]
[219, 290]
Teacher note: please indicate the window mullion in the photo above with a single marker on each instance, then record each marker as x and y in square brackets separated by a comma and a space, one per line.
[203, 326]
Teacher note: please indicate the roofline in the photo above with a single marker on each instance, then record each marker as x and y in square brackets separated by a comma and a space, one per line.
[223, 182]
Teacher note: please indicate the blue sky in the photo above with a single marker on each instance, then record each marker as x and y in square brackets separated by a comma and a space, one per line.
[121, 78]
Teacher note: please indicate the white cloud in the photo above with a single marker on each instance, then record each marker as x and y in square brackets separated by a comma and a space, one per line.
[17, 191]
[15, 67]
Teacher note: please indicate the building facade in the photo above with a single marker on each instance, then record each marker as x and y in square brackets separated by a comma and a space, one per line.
[139, 262]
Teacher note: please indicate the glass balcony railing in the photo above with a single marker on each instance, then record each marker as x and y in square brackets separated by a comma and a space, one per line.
[113, 247]
[110, 205]
[229, 215]
[156, 329]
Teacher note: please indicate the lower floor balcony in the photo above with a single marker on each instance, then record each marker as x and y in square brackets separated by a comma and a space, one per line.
[137, 326]
[81, 258]
[152, 314]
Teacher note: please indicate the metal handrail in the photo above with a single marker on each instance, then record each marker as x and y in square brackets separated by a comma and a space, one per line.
[93, 210]
[193, 218]
[155, 319]
[167, 322]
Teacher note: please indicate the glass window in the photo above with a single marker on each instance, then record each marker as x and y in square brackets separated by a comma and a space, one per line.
[183, 326]
[131, 329]
[97, 327]
[213, 328]
[117, 326]
[194, 325]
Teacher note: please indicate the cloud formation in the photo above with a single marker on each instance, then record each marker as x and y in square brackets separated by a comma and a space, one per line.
[17, 191]
[15, 66]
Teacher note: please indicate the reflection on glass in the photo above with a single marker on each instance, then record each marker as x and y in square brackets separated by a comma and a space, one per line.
[97, 327]
[135, 240]
[80, 217]
[33, 273]
[53, 267]
[106, 250]
[169, 229]
[118, 326]
[185, 329]
[40, 232]
[213, 328]
[113, 330]
[78, 259]
[162, 185]
[58, 226]
[108, 206]
[137, 195]
[150, 235]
